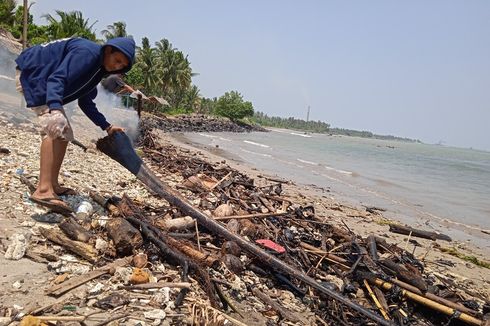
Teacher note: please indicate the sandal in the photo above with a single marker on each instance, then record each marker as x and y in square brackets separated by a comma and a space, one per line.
[57, 208]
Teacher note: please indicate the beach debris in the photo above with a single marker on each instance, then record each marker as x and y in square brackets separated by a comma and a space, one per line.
[17, 247]
[271, 245]
[232, 244]
[397, 228]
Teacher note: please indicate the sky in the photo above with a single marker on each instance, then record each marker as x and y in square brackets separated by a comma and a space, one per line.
[418, 69]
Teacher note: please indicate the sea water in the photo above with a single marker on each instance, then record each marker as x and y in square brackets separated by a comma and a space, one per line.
[436, 185]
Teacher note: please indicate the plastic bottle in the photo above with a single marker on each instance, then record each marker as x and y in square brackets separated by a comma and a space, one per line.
[84, 210]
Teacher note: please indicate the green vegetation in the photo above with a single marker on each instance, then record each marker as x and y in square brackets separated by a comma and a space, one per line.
[291, 123]
[316, 126]
[472, 259]
[232, 106]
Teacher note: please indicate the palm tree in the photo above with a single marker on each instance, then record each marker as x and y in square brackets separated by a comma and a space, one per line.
[145, 60]
[193, 98]
[174, 71]
[7, 13]
[118, 29]
[70, 24]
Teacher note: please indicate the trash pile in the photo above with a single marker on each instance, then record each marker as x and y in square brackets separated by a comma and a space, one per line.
[243, 254]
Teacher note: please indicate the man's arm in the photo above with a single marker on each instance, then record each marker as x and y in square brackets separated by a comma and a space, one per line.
[88, 107]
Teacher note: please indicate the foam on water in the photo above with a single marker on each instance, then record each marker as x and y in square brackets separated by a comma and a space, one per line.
[256, 144]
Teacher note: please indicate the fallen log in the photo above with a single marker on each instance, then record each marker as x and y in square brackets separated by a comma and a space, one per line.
[118, 147]
[74, 231]
[126, 237]
[396, 228]
[81, 249]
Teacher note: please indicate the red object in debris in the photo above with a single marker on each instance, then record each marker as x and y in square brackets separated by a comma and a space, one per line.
[271, 245]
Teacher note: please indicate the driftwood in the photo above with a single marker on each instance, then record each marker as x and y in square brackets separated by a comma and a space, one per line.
[177, 224]
[74, 282]
[118, 147]
[405, 275]
[126, 237]
[82, 249]
[158, 285]
[430, 303]
[285, 313]
[434, 297]
[396, 228]
[104, 202]
[74, 231]
[248, 216]
[373, 251]
[377, 302]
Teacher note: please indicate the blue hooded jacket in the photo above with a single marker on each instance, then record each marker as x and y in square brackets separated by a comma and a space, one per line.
[62, 71]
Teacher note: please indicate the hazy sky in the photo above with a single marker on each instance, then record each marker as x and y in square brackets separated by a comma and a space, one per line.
[418, 69]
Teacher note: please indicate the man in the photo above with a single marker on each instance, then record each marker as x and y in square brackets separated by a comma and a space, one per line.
[54, 74]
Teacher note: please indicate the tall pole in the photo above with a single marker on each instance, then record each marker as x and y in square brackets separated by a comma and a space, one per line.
[24, 30]
[308, 114]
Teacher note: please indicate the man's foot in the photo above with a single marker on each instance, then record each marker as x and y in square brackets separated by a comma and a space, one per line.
[53, 203]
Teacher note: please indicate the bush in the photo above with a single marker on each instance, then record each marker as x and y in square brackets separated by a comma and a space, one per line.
[231, 105]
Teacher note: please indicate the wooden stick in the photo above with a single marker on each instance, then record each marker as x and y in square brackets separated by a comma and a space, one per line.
[158, 285]
[197, 235]
[430, 303]
[375, 299]
[61, 318]
[221, 181]
[74, 282]
[249, 216]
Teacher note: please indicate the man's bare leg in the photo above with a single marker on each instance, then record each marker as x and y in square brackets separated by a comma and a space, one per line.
[59, 150]
[45, 186]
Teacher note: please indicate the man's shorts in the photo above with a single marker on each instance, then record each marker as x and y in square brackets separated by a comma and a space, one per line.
[43, 109]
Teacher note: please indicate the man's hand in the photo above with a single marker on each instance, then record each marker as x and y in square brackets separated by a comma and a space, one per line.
[112, 129]
[53, 123]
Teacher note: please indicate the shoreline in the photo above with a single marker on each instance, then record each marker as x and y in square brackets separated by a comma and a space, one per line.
[398, 210]
[315, 193]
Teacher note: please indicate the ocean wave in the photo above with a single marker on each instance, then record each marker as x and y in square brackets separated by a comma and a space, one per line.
[339, 171]
[255, 153]
[302, 135]
[256, 144]
[307, 162]
[225, 139]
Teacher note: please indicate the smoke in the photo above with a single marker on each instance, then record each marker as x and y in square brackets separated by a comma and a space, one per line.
[111, 106]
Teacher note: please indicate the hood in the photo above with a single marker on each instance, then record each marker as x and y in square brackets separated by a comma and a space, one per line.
[127, 46]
